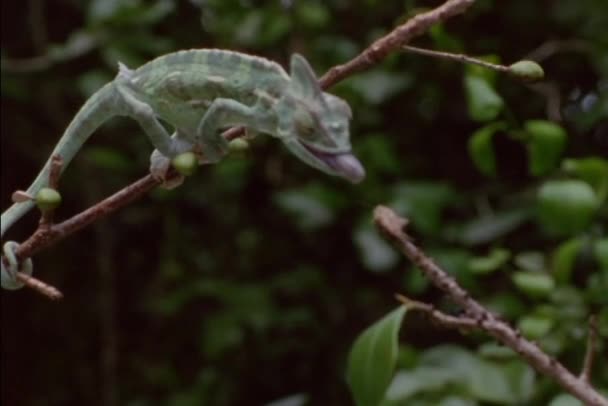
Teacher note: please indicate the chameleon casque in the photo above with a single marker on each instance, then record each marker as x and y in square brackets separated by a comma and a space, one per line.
[199, 93]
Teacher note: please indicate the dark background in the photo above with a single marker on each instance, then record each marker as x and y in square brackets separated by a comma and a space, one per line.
[250, 283]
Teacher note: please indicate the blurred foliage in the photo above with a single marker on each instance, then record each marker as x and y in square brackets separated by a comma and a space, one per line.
[249, 284]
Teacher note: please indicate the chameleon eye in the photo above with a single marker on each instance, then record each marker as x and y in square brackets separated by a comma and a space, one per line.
[304, 123]
[337, 127]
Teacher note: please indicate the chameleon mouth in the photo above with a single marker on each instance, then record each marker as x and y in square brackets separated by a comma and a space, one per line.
[344, 164]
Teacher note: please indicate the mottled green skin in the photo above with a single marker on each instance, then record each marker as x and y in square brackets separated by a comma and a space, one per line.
[182, 85]
[199, 93]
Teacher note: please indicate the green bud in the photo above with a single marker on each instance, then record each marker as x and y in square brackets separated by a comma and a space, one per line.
[48, 199]
[238, 145]
[185, 163]
[528, 71]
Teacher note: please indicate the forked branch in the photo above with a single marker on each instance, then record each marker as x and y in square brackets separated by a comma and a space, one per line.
[393, 228]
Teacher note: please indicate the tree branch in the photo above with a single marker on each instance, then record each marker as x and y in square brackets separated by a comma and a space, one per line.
[393, 227]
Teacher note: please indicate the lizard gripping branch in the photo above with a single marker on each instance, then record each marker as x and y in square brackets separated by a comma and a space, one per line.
[199, 93]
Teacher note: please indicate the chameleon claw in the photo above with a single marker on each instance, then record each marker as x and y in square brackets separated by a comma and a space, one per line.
[11, 266]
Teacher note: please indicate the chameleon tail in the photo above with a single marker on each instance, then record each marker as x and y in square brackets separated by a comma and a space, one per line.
[94, 112]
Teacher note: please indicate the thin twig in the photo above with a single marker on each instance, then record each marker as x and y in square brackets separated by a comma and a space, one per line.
[462, 58]
[39, 286]
[591, 348]
[393, 227]
[446, 320]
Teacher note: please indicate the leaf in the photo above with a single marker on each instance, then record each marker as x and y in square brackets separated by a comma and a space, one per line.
[483, 102]
[535, 327]
[546, 144]
[481, 148]
[566, 207]
[377, 86]
[600, 250]
[535, 284]
[488, 382]
[376, 253]
[373, 358]
[379, 153]
[497, 258]
[308, 212]
[299, 399]
[522, 378]
[564, 258]
[530, 261]
[489, 75]
[485, 229]
[593, 170]
[423, 202]
[565, 400]
[422, 379]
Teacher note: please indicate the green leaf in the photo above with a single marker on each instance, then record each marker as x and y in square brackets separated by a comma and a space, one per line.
[483, 102]
[312, 14]
[486, 229]
[530, 261]
[377, 86]
[497, 258]
[592, 170]
[488, 382]
[535, 327]
[565, 400]
[373, 358]
[489, 75]
[376, 253]
[522, 379]
[423, 202]
[481, 148]
[600, 250]
[563, 259]
[545, 145]
[308, 211]
[566, 207]
[535, 284]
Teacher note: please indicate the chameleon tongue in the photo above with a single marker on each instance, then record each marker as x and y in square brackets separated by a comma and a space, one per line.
[347, 165]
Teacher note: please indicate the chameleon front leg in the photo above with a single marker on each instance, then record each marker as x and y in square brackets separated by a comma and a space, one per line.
[221, 114]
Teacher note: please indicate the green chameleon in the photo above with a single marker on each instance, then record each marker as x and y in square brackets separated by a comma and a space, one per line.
[199, 93]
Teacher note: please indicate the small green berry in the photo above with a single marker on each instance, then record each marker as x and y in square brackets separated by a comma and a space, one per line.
[48, 199]
[527, 71]
[185, 163]
[238, 145]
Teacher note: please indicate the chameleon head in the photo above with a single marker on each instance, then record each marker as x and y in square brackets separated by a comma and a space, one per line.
[313, 125]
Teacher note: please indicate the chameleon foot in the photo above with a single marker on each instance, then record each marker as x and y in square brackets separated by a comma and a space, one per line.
[10, 267]
[159, 168]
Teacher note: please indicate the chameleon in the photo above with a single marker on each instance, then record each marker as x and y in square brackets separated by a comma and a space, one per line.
[198, 93]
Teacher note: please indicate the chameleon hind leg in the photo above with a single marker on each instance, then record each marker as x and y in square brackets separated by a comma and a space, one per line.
[221, 114]
[160, 164]
[167, 146]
